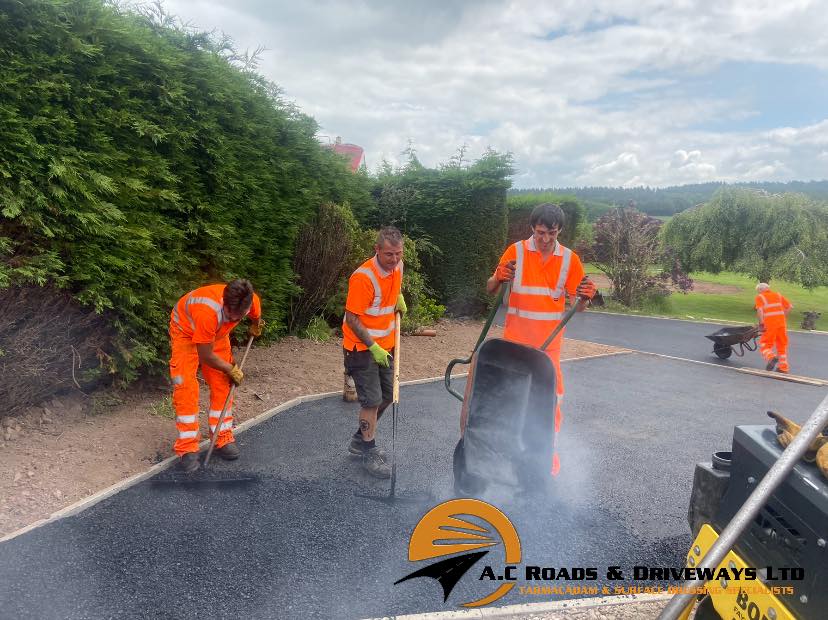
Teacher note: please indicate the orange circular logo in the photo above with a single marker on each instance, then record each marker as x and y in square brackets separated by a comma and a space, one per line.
[444, 532]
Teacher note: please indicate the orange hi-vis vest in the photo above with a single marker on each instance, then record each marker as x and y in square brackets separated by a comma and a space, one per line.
[772, 307]
[372, 295]
[199, 315]
[537, 302]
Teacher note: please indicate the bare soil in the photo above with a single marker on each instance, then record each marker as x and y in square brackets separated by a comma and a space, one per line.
[75, 445]
[706, 288]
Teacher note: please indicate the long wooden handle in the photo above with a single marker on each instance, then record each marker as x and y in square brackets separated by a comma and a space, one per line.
[224, 409]
[397, 338]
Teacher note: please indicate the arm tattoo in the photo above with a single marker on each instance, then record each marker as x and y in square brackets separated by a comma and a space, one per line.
[359, 329]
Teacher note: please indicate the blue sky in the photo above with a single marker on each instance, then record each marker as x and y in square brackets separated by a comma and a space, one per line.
[582, 92]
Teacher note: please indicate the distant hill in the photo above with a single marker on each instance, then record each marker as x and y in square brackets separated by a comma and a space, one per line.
[671, 200]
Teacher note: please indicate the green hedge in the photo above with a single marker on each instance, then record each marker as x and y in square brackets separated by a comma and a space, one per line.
[461, 211]
[137, 162]
[520, 208]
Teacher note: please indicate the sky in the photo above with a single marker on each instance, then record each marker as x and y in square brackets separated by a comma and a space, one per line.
[581, 92]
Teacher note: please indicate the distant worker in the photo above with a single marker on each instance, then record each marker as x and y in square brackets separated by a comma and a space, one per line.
[772, 309]
[542, 271]
[368, 329]
[200, 324]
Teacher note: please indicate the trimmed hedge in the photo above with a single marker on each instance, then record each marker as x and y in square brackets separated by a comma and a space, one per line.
[137, 162]
[461, 211]
[520, 208]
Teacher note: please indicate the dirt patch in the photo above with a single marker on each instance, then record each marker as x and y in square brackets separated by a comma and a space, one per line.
[51, 457]
[706, 288]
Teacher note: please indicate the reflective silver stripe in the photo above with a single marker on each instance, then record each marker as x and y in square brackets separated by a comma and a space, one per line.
[564, 274]
[380, 311]
[535, 316]
[216, 413]
[226, 424]
[378, 333]
[177, 319]
[211, 303]
[773, 313]
[187, 434]
[177, 379]
[187, 419]
[543, 291]
[377, 290]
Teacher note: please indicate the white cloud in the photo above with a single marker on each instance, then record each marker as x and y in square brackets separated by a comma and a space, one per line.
[582, 92]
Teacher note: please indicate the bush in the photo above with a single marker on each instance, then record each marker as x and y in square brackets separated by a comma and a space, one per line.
[49, 343]
[138, 160]
[317, 330]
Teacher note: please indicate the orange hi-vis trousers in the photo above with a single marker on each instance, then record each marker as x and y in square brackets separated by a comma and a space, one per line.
[775, 336]
[183, 368]
[553, 352]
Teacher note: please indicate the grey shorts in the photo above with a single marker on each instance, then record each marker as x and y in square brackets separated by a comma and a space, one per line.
[374, 384]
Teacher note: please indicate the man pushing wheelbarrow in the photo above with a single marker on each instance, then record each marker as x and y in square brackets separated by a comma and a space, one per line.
[512, 410]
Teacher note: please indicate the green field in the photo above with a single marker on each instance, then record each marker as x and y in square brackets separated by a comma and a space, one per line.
[735, 306]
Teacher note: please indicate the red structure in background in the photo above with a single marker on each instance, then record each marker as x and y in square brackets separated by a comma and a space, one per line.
[354, 153]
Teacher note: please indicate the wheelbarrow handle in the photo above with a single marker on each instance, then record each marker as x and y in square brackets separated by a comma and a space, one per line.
[466, 360]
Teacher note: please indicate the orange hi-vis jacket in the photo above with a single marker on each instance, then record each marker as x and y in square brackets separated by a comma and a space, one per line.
[372, 295]
[537, 301]
[199, 315]
[772, 308]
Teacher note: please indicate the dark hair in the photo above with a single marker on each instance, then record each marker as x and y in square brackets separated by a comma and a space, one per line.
[238, 295]
[548, 214]
[391, 234]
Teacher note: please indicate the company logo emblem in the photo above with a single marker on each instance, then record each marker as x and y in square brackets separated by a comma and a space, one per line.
[443, 532]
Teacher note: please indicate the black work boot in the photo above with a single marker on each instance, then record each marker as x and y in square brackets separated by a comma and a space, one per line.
[373, 461]
[771, 363]
[357, 446]
[229, 451]
[189, 462]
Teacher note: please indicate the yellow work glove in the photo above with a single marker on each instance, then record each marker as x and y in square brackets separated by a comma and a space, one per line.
[787, 429]
[401, 307]
[236, 375]
[380, 355]
[256, 326]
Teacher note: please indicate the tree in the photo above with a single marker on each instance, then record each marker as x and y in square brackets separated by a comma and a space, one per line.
[626, 246]
[751, 232]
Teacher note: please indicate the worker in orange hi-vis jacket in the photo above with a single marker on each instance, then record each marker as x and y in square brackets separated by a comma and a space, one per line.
[200, 324]
[542, 273]
[772, 310]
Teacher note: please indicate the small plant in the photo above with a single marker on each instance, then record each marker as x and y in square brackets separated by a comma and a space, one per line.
[103, 402]
[163, 409]
[317, 330]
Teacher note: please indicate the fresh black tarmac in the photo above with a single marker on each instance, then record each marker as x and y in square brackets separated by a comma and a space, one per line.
[300, 543]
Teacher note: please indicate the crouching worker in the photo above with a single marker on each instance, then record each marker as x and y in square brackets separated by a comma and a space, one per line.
[200, 325]
[368, 331]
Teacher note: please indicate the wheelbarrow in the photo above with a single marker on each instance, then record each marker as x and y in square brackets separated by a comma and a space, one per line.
[507, 419]
[726, 339]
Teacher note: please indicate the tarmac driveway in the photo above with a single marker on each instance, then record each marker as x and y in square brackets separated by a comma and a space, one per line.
[300, 542]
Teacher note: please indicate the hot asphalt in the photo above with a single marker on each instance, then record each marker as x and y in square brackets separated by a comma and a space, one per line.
[301, 543]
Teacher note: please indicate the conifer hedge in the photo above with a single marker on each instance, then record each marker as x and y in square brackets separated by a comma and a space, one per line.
[138, 162]
[520, 208]
[461, 211]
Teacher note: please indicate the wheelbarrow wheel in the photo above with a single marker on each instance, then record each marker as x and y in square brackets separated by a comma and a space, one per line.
[722, 351]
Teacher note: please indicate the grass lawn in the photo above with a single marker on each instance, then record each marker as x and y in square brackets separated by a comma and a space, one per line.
[736, 307]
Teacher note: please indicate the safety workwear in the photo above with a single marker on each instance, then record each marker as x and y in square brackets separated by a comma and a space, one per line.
[505, 272]
[198, 318]
[256, 328]
[236, 374]
[772, 309]
[372, 296]
[380, 355]
[189, 462]
[537, 303]
[402, 308]
[229, 451]
[586, 288]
